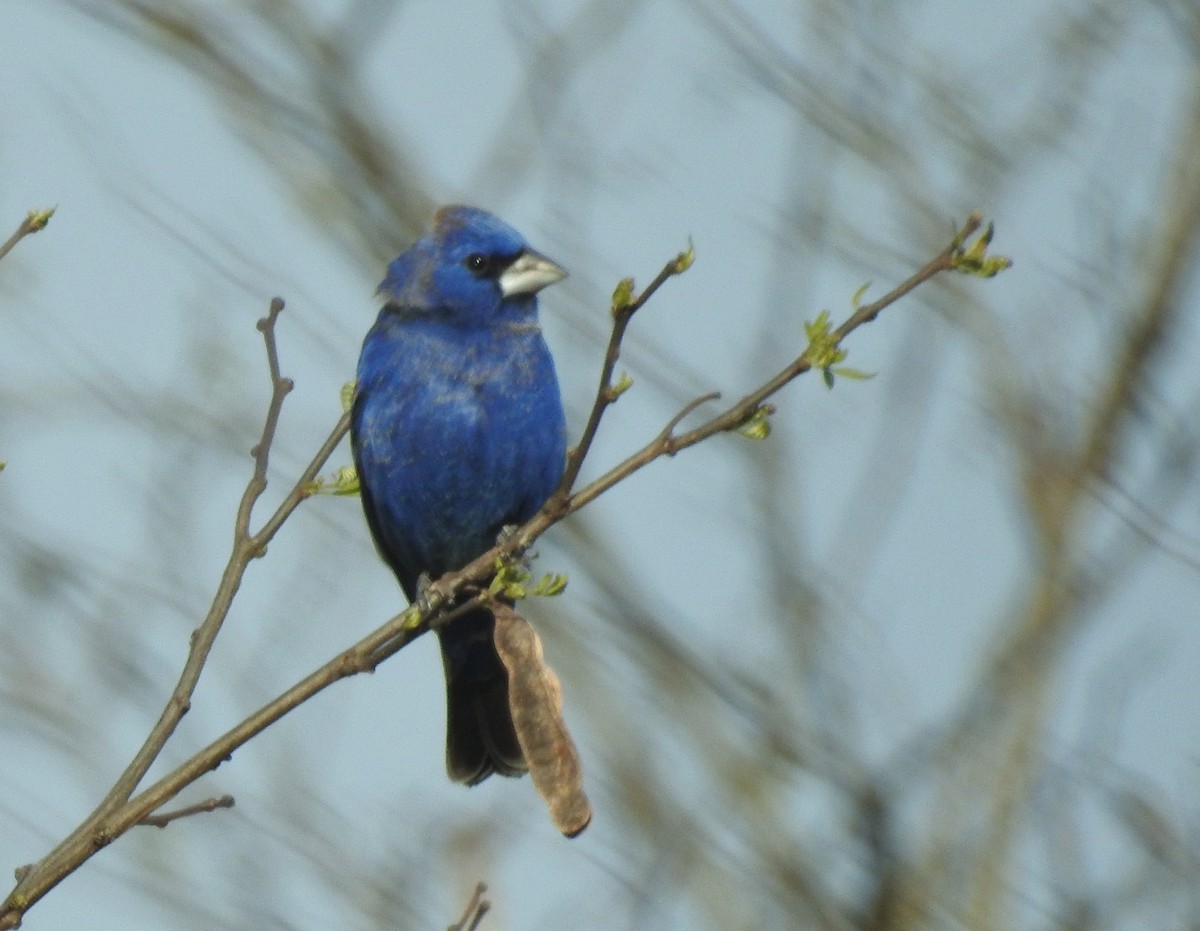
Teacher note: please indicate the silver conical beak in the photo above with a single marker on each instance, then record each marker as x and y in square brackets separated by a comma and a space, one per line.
[529, 274]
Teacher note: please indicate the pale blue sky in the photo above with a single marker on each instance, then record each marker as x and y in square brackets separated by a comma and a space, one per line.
[170, 237]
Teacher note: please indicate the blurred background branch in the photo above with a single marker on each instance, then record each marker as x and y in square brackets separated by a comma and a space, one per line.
[921, 660]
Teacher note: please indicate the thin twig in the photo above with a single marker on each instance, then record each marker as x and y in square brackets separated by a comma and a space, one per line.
[244, 550]
[474, 912]
[212, 804]
[692, 405]
[623, 312]
[280, 388]
[943, 261]
[34, 221]
[301, 489]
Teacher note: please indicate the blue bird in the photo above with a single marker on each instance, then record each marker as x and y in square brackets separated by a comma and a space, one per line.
[457, 429]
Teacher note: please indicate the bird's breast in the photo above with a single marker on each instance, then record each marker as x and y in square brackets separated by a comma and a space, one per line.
[459, 444]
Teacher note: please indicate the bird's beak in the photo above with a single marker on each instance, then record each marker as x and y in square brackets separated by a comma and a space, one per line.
[529, 273]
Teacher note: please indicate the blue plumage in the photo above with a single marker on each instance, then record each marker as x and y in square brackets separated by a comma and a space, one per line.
[458, 430]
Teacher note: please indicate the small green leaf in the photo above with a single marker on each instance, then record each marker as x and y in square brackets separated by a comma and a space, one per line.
[825, 353]
[819, 327]
[343, 482]
[993, 265]
[622, 295]
[513, 582]
[551, 584]
[855, 374]
[346, 395]
[856, 301]
[829, 372]
[684, 260]
[2, 465]
[758, 424]
[510, 580]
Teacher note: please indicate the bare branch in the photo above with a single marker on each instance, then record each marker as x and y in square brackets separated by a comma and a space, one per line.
[212, 804]
[475, 910]
[280, 387]
[115, 814]
[625, 305]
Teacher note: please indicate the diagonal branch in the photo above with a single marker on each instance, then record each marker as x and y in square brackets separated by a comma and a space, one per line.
[446, 598]
[96, 830]
[667, 443]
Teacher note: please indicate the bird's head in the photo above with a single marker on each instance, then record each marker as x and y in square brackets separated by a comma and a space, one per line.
[472, 267]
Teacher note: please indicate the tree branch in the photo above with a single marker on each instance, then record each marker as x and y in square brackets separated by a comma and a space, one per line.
[106, 822]
[453, 594]
[624, 306]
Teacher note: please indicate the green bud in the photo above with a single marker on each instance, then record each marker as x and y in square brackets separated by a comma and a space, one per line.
[758, 424]
[624, 383]
[37, 219]
[622, 295]
[684, 260]
[974, 260]
[823, 350]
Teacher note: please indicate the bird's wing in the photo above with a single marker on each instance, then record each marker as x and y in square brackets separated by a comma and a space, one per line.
[407, 578]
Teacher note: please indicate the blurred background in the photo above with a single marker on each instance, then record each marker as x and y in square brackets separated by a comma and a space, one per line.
[925, 658]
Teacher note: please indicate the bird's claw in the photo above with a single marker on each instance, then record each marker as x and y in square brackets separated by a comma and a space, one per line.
[422, 602]
[506, 535]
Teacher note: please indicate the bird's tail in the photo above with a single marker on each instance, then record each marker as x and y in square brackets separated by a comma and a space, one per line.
[480, 739]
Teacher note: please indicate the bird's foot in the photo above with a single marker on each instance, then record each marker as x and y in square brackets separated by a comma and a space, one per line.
[422, 602]
[507, 533]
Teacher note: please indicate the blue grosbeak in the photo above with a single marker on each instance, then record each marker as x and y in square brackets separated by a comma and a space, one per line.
[458, 431]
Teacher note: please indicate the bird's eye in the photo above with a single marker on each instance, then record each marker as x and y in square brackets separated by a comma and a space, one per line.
[478, 264]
